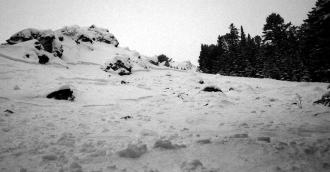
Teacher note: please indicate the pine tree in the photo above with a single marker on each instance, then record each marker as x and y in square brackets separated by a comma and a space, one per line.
[203, 61]
[276, 47]
[316, 39]
[243, 38]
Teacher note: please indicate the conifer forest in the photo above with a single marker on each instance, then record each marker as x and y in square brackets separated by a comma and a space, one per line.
[282, 52]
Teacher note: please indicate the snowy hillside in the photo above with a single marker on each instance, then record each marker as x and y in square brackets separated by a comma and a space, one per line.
[155, 119]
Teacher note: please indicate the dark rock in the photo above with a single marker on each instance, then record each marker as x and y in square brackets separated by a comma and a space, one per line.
[205, 141]
[265, 139]
[65, 94]
[201, 82]
[230, 89]
[50, 157]
[152, 62]
[166, 144]
[239, 136]
[38, 46]
[83, 38]
[9, 111]
[212, 89]
[119, 65]
[126, 117]
[47, 43]
[58, 51]
[43, 59]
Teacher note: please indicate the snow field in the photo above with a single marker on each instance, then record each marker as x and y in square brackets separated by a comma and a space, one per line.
[253, 127]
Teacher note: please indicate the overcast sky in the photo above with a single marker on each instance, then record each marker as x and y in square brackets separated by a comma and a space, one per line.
[176, 28]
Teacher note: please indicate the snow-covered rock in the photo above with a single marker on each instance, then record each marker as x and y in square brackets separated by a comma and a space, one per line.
[30, 51]
[88, 34]
[185, 65]
[45, 37]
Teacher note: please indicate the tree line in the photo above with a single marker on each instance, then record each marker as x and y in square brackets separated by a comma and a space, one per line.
[283, 52]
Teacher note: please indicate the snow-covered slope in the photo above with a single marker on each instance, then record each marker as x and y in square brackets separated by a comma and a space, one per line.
[156, 119]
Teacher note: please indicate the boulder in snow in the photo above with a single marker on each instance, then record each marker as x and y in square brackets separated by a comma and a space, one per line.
[121, 64]
[166, 144]
[63, 94]
[45, 37]
[212, 88]
[133, 151]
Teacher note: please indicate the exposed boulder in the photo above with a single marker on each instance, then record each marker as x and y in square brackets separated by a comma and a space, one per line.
[45, 37]
[166, 144]
[62, 94]
[47, 42]
[43, 59]
[154, 63]
[121, 64]
[28, 34]
[103, 35]
[212, 88]
[83, 38]
[57, 50]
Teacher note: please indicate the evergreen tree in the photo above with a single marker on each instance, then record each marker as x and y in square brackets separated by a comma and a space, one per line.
[243, 38]
[164, 58]
[316, 41]
[276, 44]
[233, 40]
[203, 59]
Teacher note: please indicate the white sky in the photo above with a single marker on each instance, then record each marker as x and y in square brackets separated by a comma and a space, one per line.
[176, 28]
